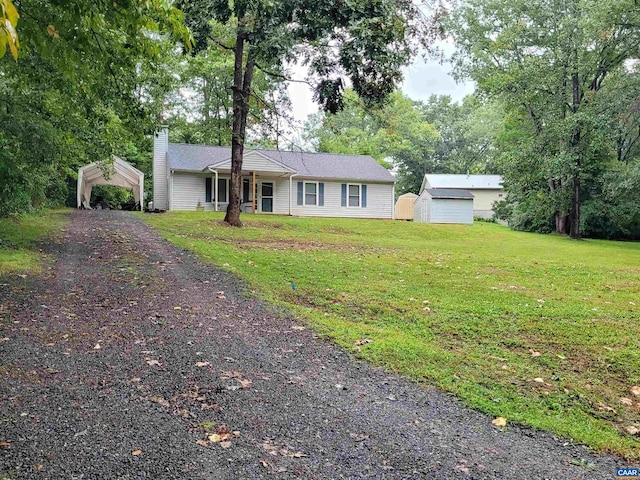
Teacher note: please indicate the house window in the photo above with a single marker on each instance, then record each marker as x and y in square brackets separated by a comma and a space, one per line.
[354, 195]
[223, 190]
[310, 193]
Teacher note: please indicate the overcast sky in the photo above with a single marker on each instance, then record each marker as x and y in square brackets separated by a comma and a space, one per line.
[422, 79]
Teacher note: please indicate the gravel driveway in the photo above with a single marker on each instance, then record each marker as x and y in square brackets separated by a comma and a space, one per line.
[128, 358]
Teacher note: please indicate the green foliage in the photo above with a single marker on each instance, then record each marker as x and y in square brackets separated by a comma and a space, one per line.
[8, 23]
[18, 237]
[437, 137]
[561, 70]
[115, 198]
[81, 91]
[460, 307]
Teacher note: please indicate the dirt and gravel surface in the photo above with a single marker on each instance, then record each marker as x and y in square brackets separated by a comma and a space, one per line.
[128, 358]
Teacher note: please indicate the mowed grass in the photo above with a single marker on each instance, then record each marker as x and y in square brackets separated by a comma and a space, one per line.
[17, 237]
[539, 329]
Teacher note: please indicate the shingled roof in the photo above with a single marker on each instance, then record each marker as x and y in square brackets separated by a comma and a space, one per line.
[450, 193]
[196, 158]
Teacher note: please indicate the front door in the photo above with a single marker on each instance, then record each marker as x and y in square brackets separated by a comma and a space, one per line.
[266, 196]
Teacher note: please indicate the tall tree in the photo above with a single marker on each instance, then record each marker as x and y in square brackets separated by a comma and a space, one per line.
[79, 91]
[364, 41]
[551, 59]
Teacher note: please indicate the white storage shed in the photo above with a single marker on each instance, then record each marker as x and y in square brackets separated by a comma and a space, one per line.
[443, 205]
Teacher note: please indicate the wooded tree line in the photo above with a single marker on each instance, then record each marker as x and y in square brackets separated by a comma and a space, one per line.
[557, 110]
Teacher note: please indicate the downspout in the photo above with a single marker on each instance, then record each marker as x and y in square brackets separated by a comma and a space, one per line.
[215, 188]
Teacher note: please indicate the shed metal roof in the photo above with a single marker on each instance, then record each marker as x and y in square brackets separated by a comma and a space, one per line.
[463, 181]
[312, 165]
[450, 193]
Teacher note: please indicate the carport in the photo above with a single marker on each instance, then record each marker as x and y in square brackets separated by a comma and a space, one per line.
[118, 173]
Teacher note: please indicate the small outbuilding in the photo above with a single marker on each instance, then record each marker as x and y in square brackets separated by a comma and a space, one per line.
[443, 205]
[404, 206]
[119, 173]
[486, 189]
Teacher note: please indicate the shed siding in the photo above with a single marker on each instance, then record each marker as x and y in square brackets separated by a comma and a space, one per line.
[451, 211]
[160, 170]
[420, 209]
[404, 206]
[380, 202]
[483, 200]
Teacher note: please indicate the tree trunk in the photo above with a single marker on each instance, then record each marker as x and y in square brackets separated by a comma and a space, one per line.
[574, 211]
[574, 228]
[242, 79]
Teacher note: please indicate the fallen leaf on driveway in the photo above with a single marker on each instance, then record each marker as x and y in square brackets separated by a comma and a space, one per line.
[245, 383]
[202, 364]
[225, 444]
[160, 401]
[499, 422]
[153, 362]
[202, 443]
[136, 452]
[231, 374]
[177, 308]
[97, 347]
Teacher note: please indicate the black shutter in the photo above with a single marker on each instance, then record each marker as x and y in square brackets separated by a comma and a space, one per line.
[300, 193]
[222, 189]
[321, 194]
[207, 189]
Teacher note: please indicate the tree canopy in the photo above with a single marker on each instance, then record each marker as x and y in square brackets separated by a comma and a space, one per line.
[79, 91]
[557, 65]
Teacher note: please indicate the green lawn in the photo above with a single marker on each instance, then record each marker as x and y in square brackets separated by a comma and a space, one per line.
[17, 237]
[539, 329]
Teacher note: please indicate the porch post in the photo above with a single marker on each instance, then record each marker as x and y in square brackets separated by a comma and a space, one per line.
[215, 172]
[255, 192]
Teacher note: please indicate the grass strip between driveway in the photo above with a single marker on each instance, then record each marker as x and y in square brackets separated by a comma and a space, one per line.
[538, 329]
[18, 253]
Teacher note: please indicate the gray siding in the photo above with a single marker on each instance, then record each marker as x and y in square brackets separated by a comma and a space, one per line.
[420, 208]
[160, 169]
[451, 211]
[380, 202]
[188, 188]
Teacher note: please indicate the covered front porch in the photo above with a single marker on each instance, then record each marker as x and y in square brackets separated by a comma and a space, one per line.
[266, 185]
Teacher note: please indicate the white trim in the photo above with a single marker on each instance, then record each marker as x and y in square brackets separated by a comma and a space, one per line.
[304, 194]
[286, 168]
[215, 190]
[359, 185]
[272, 197]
